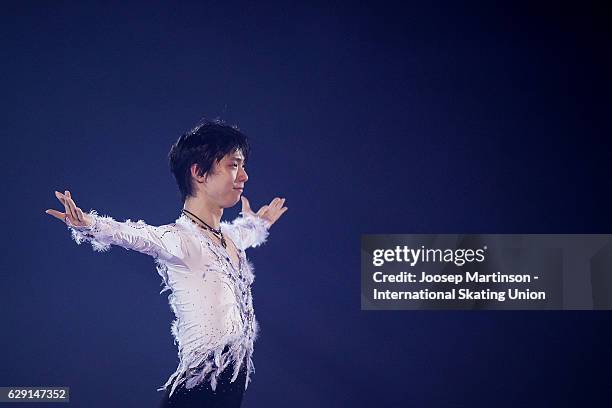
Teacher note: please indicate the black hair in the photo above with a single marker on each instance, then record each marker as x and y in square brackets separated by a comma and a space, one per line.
[208, 142]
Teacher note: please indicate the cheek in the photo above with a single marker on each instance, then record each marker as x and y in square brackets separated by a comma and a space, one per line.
[218, 186]
[229, 181]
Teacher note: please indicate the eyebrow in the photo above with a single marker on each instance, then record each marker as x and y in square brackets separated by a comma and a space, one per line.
[237, 158]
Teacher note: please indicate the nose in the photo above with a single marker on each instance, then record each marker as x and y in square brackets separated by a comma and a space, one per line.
[243, 176]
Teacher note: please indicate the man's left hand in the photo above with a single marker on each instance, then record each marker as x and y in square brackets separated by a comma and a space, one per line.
[271, 212]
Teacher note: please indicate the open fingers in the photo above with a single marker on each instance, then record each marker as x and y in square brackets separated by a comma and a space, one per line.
[57, 214]
[278, 212]
[80, 215]
[246, 206]
[274, 210]
[282, 211]
[63, 198]
[71, 211]
[262, 210]
[74, 210]
[277, 203]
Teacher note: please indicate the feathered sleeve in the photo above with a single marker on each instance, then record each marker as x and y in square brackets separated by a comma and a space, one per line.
[247, 231]
[162, 242]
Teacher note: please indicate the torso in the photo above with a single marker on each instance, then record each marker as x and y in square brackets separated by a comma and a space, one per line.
[198, 294]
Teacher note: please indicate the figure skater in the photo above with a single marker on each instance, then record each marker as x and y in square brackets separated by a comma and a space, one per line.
[201, 261]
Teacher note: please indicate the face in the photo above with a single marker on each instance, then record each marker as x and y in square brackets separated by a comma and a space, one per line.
[225, 183]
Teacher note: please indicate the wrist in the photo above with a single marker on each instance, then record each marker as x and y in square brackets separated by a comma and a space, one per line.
[256, 218]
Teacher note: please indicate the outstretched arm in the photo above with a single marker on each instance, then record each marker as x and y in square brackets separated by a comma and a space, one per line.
[251, 230]
[103, 231]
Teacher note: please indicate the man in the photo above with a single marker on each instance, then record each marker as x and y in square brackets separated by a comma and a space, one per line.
[201, 260]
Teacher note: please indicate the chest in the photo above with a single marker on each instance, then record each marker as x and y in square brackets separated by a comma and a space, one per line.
[229, 253]
[205, 248]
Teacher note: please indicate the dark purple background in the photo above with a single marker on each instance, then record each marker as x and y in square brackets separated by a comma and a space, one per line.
[368, 118]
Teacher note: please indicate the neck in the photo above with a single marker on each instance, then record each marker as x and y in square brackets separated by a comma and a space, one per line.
[206, 211]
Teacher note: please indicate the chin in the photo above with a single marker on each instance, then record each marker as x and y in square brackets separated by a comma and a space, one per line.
[231, 203]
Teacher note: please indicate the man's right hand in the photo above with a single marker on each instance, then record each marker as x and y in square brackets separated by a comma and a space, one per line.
[72, 214]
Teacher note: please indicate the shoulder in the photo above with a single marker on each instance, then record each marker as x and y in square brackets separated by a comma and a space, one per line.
[186, 230]
[184, 226]
[175, 228]
[168, 229]
[231, 231]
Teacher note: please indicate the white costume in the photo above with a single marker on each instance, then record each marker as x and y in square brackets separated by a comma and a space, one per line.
[210, 297]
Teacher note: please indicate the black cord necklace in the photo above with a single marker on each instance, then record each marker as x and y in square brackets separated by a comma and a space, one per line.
[217, 232]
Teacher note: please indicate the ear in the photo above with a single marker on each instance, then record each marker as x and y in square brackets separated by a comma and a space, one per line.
[195, 175]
